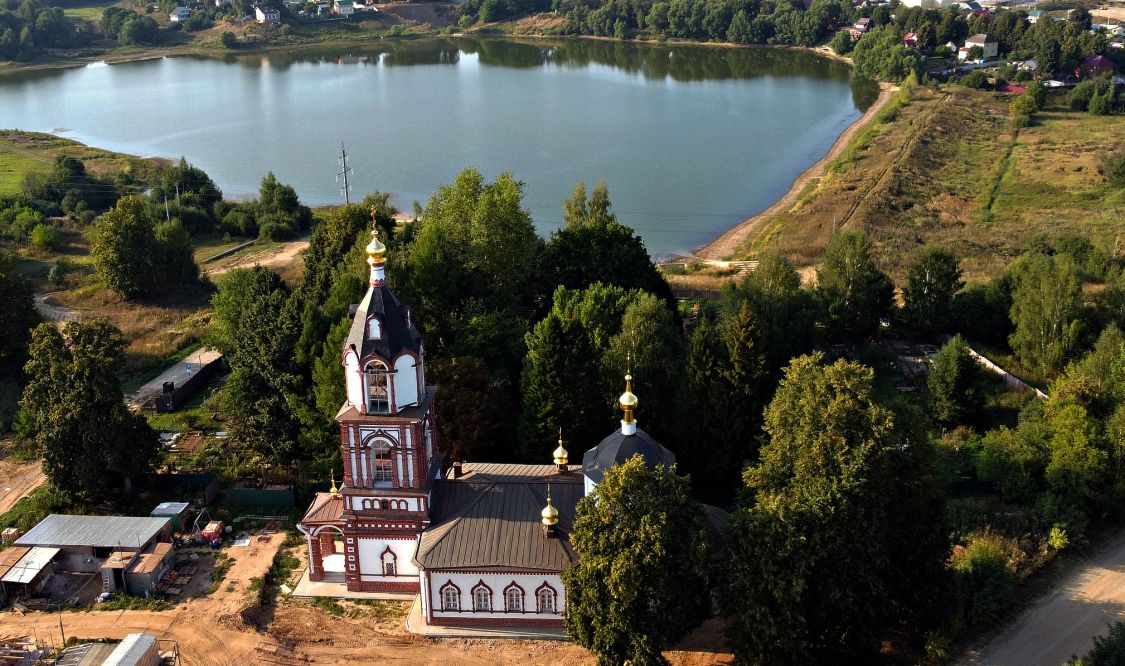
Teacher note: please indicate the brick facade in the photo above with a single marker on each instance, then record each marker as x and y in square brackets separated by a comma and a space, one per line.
[497, 622]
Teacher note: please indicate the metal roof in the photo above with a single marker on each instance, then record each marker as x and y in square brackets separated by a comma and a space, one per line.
[10, 556]
[30, 565]
[619, 447]
[134, 650]
[490, 519]
[325, 508]
[94, 531]
[169, 509]
[397, 333]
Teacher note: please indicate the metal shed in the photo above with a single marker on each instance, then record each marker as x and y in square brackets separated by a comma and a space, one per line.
[177, 511]
[31, 570]
[135, 650]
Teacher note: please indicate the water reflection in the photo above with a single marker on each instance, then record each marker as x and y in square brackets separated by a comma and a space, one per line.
[652, 61]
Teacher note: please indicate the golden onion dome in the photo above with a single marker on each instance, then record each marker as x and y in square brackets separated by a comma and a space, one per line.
[376, 251]
[560, 455]
[550, 513]
[628, 400]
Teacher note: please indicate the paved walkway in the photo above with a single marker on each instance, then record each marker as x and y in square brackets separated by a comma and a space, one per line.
[312, 588]
[177, 372]
[1063, 623]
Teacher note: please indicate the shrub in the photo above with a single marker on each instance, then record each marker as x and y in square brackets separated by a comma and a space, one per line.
[1100, 105]
[842, 42]
[1112, 166]
[44, 236]
[975, 79]
[228, 40]
[59, 271]
[1109, 650]
[985, 584]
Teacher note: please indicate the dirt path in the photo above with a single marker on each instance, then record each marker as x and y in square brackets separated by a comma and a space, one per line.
[1063, 622]
[726, 244]
[282, 255]
[17, 479]
[51, 311]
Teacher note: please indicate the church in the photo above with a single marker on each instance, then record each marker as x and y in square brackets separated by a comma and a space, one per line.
[482, 544]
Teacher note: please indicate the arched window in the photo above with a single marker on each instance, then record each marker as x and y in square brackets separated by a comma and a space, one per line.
[482, 598]
[382, 464]
[374, 330]
[389, 559]
[513, 599]
[450, 597]
[378, 391]
[546, 598]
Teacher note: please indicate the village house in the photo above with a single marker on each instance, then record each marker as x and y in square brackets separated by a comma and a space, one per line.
[179, 14]
[269, 15]
[483, 545]
[1095, 66]
[343, 7]
[862, 25]
[910, 40]
[989, 47]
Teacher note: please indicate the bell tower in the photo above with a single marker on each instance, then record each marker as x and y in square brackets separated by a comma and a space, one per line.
[387, 439]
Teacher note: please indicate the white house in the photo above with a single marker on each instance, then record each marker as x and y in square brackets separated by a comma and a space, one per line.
[989, 47]
[267, 15]
[344, 7]
[179, 15]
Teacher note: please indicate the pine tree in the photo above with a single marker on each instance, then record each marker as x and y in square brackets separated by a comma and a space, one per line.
[953, 383]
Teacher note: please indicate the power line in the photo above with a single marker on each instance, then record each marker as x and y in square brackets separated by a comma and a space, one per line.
[344, 171]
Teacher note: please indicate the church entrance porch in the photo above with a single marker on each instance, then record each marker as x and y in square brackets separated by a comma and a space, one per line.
[310, 589]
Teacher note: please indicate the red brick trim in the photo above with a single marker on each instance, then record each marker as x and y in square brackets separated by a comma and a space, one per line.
[383, 586]
[498, 622]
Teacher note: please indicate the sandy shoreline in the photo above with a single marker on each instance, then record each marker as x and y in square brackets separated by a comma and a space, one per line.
[731, 239]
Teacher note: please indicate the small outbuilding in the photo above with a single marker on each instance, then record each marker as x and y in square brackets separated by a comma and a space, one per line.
[85, 542]
[179, 14]
[344, 7]
[177, 512]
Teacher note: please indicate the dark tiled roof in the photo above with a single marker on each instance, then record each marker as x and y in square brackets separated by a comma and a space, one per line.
[324, 509]
[618, 447]
[397, 334]
[490, 519]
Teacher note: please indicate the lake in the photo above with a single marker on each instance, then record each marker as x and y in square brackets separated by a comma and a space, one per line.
[689, 139]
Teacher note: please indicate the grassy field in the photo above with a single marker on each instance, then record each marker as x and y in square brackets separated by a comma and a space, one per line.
[24, 152]
[89, 10]
[947, 168]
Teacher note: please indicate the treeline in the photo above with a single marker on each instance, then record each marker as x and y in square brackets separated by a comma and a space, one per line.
[26, 28]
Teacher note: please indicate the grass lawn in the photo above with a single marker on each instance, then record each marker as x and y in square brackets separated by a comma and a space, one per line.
[949, 169]
[89, 9]
[21, 152]
[13, 166]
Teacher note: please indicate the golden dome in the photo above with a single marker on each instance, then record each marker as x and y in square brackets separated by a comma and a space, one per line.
[560, 455]
[550, 513]
[376, 251]
[628, 399]
[335, 492]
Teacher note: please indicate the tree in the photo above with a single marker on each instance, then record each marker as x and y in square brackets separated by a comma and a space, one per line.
[783, 313]
[1108, 650]
[123, 248]
[175, 255]
[90, 440]
[1046, 311]
[841, 42]
[930, 285]
[953, 383]
[855, 293]
[638, 586]
[474, 413]
[17, 316]
[840, 537]
[254, 324]
[45, 237]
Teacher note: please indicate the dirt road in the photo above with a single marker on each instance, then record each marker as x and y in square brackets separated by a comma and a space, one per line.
[52, 312]
[16, 480]
[1063, 622]
[282, 255]
[726, 244]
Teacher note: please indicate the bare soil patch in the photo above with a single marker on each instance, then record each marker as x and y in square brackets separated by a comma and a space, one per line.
[17, 480]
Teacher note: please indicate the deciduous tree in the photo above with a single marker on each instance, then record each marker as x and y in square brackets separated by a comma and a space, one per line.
[932, 281]
[855, 293]
[638, 585]
[1046, 311]
[954, 383]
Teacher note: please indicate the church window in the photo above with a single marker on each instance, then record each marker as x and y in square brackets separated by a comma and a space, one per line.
[450, 598]
[513, 599]
[546, 598]
[482, 598]
[374, 330]
[382, 465]
[378, 391]
[388, 558]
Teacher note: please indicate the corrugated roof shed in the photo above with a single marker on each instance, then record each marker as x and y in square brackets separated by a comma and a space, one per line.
[490, 519]
[94, 531]
[9, 557]
[152, 557]
[135, 650]
[30, 565]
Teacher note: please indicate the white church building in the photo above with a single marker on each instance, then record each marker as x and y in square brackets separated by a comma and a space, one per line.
[484, 544]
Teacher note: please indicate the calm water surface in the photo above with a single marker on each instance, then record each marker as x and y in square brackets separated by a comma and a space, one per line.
[690, 140]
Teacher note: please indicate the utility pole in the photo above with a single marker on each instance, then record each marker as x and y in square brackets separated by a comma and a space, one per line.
[344, 171]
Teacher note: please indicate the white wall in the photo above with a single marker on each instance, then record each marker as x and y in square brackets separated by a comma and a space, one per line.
[406, 382]
[370, 561]
[498, 582]
[354, 380]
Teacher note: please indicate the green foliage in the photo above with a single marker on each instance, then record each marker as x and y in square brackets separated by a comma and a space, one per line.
[975, 79]
[954, 383]
[855, 294]
[134, 255]
[881, 54]
[930, 285]
[1108, 650]
[186, 187]
[1112, 166]
[1013, 462]
[89, 439]
[985, 583]
[980, 311]
[17, 316]
[841, 42]
[37, 28]
[1046, 311]
[474, 413]
[638, 586]
[128, 27]
[228, 40]
[69, 186]
[839, 508]
[254, 324]
[17, 220]
[45, 237]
